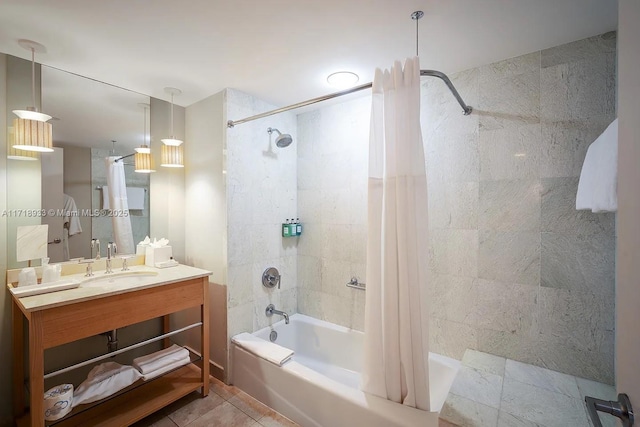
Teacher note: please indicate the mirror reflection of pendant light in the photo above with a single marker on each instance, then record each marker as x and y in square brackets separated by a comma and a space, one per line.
[171, 155]
[142, 159]
[31, 130]
[15, 154]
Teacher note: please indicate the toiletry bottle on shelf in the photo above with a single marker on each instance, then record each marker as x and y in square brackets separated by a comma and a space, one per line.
[298, 227]
[285, 229]
[292, 228]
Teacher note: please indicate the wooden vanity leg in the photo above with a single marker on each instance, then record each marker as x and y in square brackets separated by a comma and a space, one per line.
[204, 313]
[166, 327]
[18, 360]
[36, 369]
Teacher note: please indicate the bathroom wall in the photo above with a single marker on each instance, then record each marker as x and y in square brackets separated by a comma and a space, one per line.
[628, 267]
[261, 194]
[333, 156]
[101, 226]
[205, 206]
[515, 270]
[6, 417]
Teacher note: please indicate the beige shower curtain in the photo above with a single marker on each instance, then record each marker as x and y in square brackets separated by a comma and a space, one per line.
[396, 352]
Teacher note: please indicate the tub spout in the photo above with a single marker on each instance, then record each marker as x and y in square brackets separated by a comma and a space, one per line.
[271, 310]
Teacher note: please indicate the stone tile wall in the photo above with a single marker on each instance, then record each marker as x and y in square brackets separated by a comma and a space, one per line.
[261, 194]
[333, 147]
[518, 272]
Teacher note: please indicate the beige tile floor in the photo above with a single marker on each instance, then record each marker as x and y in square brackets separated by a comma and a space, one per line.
[225, 406]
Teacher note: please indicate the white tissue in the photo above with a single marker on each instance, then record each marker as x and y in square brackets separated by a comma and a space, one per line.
[51, 273]
[159, 243]
[27, 277]
[145, 242]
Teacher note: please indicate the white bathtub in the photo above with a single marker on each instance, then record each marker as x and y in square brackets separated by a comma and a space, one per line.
[319, 386]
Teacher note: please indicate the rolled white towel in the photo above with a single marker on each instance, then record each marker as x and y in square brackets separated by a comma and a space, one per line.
[274, 353]
[158, 360]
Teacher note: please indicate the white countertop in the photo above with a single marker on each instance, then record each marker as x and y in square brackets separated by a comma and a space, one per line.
[101, 285]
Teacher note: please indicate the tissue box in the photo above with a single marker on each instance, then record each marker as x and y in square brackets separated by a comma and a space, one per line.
[141, 249]
[155, 255]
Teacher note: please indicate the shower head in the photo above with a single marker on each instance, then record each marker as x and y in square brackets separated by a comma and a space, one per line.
[283, 139]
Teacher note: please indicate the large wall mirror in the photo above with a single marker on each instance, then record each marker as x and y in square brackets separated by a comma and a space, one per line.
[91, 121]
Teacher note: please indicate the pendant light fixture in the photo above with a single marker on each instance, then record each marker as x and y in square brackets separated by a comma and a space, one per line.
[171, 155]
[15, 154]
[142, 159]
[31, 130]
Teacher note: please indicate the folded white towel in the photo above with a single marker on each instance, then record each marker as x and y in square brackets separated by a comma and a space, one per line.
[103, 381]
[166, 368]
[599, 176]
[160, 359]
[274, 353]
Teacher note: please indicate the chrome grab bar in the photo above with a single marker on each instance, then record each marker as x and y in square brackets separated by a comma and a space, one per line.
[353, 283]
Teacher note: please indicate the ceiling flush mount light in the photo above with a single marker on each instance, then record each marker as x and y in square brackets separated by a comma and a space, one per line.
[142, 160]
[172, 141]
[31, 130]
[343, 79]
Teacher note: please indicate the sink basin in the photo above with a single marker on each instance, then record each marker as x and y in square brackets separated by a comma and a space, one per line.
[100, 278]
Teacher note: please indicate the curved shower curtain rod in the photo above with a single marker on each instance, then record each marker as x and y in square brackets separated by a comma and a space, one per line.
[466, 109]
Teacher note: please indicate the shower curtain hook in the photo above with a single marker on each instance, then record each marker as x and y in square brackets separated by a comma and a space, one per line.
[416, 17]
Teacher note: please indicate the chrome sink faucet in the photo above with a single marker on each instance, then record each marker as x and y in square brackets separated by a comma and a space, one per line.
[110, 247]
[95, 243]
[271, 310]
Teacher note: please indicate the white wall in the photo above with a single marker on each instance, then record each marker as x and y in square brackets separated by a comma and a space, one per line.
[205, 204]
[5, 300]
[205, 211]
[628, 262]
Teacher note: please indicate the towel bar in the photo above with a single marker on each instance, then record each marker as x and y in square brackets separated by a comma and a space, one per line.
[114, 353]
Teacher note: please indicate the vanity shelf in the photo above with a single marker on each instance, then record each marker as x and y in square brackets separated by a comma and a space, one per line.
[83, 312]
[135, 404]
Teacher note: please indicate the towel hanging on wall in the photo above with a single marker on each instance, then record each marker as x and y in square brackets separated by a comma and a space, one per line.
[599, 176]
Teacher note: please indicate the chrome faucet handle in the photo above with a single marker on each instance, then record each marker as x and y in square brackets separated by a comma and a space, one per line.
[114, 248]
[89, 263]
[126, 258]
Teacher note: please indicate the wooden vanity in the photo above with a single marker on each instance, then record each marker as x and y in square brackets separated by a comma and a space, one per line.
[61, 317]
